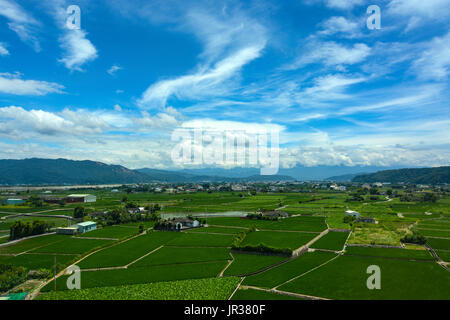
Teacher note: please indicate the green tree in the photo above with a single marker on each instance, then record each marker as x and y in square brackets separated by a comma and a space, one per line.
[79, 212]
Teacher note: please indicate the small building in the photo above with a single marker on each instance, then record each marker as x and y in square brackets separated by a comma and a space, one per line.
[182, 223]
[86, 226]
[67, 230]
[274, 214]
[52, 199]
[366, 220]
[114, 191]
[81, 198]
[133, 210]
[352, 213]
[98, 213]
[14, 201]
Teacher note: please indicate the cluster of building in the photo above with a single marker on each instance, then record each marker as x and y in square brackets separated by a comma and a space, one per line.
[71, 198]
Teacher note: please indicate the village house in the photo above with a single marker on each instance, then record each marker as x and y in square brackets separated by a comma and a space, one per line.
[275, 213]
[352, 213]
[184, 223]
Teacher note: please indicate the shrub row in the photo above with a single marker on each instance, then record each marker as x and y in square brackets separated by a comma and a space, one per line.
[262, 248]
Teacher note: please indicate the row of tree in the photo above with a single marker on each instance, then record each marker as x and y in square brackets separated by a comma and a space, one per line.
[21, 229]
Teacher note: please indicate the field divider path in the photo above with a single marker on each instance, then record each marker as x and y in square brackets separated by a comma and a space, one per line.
[236, 289]
[419, 228]
[431, 237]
[6, 244]
[221, 226]
[303, 248]
[298, 295]
[223, 234]
[305, 273]
[285, 293]
[293, 231]
[96, 238]
[36, 291]
[45, 245]
[145, 255]
[228, 264]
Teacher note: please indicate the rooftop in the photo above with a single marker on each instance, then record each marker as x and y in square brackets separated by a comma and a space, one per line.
[86, 223]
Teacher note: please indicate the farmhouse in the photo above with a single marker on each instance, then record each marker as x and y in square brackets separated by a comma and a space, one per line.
[48, 199]
[67, 230]
[86, 226]
[181, 223]
[98, 213]
[81, 227]
[352, 213]
[273, 214]
[81, 198]
[14, 201]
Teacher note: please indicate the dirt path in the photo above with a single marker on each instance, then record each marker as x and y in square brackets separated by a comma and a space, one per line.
[284, 293]
[305, 273]
[305, 247]
[228, 264]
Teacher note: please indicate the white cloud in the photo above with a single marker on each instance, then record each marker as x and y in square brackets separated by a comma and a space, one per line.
[331, 54]
[338, 4]
[229, 43]
[163, 120]
[112, 71]
[21, 22]
[3, 50]
[199, 84]
[340, 25]
[118, 108]
[226, 125]
[434, 61]
[12, 84]
[419, 12]
[78, 49]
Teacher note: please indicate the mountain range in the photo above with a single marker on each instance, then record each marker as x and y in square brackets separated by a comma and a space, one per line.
[36, 171]
[435, 175]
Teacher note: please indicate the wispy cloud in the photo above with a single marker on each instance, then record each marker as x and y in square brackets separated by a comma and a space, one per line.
[337, 4]
[77, 48]
[434, 61]
[229, 43]
[418, 12]
[12, 84]
[114, 68]
[3, 50]
[330, 53]
[340, 26]
[21, 22]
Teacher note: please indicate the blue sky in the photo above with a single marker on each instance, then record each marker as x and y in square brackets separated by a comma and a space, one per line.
[115, 90]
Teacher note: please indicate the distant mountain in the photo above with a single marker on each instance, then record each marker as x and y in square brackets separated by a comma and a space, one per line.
[36, 171]
[301, 173]
[184, 176]
[61, 171]
[416, 176]
[344, 177]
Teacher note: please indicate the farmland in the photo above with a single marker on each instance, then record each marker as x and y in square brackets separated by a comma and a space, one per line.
[131, 260]
[200, 289]
[332, 241]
